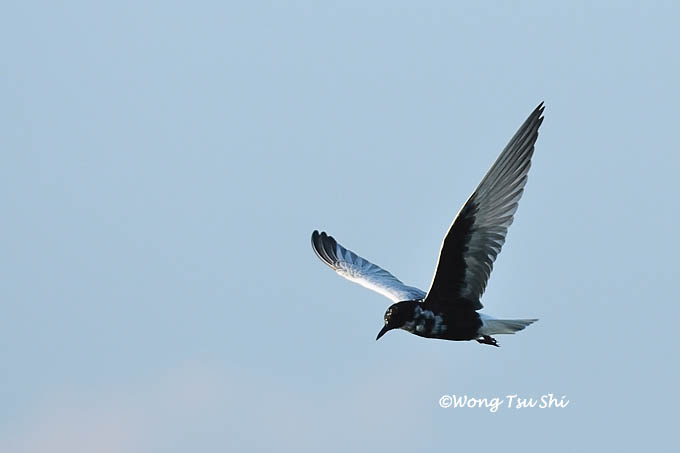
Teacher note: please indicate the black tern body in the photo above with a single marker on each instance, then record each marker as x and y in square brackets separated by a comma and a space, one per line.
[450, 309]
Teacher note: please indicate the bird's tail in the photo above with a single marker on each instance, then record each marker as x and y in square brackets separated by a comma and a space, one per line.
[500, 326]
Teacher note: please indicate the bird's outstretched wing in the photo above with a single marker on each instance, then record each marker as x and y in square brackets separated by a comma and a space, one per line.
[478, 231]
[355, 268]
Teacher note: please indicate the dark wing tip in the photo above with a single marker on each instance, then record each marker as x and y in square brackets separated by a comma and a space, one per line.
[536, 116]
[324, 247]
[538, 112]
[329, 246]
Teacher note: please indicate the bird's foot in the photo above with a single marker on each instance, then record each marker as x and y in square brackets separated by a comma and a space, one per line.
[485, 339]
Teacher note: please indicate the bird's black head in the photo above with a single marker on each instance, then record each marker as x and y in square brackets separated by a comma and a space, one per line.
[397, 315]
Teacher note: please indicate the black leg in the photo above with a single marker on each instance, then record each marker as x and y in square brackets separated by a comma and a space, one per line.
[488, 340]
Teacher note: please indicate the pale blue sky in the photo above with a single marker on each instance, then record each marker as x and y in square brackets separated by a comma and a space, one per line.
[163, 165]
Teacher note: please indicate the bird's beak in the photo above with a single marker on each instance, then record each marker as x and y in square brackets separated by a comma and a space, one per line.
[382, 332]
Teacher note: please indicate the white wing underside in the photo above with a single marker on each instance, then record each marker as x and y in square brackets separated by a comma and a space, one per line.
[359, 270]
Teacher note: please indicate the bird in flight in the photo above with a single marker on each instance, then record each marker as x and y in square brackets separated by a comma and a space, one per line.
[449, 310]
